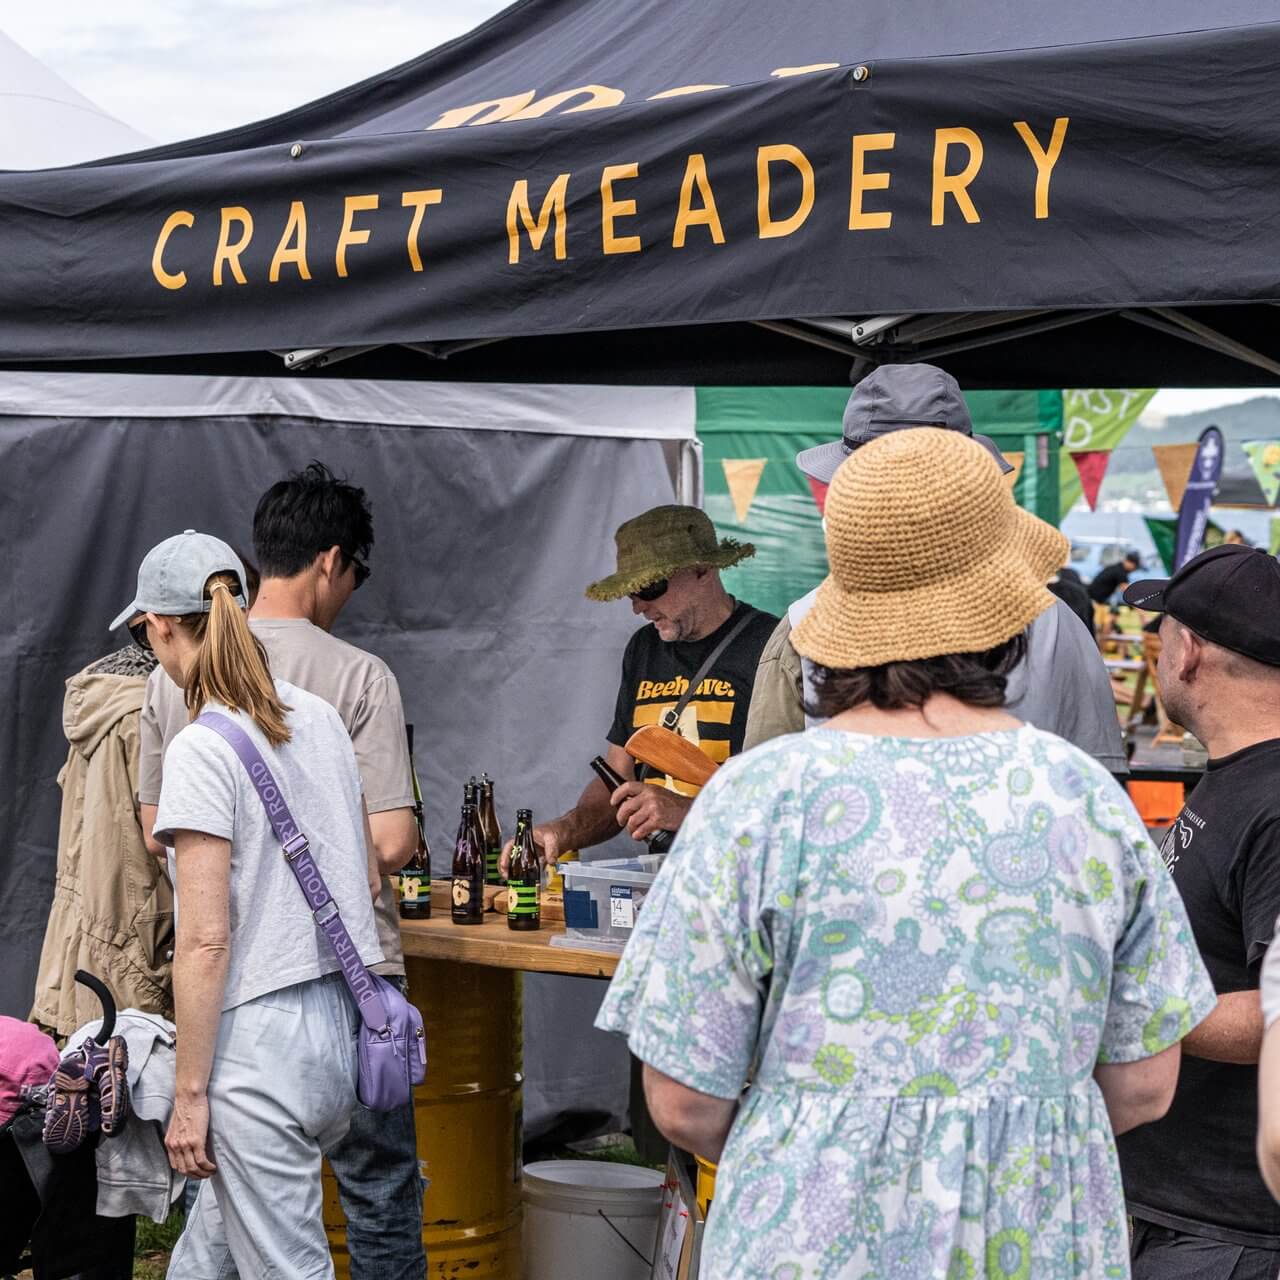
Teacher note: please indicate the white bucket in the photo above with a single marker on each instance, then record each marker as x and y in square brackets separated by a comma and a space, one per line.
[584, 1219]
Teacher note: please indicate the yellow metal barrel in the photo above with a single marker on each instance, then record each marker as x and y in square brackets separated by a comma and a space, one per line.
[469, 1123]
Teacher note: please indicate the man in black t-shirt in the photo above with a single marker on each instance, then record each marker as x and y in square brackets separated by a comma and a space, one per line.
[1105, 581]
[1191, 1180]
[669, 564]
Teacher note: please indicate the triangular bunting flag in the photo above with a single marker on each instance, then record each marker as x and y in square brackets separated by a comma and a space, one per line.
[1175, 462]
[819, 491]
[743, 477]
[1092, 466]
[1264, 457]
[1275, 535]
[1015, 460]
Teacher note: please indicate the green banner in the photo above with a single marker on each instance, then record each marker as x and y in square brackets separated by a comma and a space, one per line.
[1095, 418]
[756, 493]
[1264, 458]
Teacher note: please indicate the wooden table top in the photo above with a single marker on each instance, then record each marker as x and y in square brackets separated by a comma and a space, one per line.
[492, 943]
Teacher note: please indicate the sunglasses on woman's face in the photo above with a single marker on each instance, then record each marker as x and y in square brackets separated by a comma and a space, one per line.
[654, 591]
[138, 630]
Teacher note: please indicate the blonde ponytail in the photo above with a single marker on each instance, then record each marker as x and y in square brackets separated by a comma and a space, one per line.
[231, 665]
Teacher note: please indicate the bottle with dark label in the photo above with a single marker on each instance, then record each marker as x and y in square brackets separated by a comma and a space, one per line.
[468, 872]
[524, 875]
[415, 875]
[658, 841]
[492, 831]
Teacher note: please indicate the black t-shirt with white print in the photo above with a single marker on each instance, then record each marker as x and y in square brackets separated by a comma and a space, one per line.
[1195, 1170]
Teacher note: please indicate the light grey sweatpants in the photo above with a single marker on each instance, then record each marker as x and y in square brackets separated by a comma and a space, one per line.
[281, 1093]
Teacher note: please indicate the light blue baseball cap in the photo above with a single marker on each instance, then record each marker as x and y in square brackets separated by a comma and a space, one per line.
[172, 575]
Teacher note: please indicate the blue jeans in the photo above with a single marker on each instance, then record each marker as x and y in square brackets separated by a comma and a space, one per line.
[381, 1188]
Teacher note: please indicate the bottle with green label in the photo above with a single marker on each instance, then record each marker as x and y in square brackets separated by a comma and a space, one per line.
[524, 875]
[492, 831]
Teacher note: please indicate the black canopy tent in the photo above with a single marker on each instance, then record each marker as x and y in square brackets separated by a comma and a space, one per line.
[692, 190]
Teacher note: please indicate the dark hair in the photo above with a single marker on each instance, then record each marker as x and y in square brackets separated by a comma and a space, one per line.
[305, 515]
[976, 678]
[252, 578]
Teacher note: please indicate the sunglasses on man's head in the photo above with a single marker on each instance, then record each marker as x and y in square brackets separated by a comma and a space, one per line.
[138, 630]
[654, 591]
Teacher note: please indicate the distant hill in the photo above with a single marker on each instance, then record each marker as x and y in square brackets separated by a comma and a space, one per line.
[1132, 475]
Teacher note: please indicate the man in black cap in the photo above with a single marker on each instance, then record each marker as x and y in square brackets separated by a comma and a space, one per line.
[1199, 1204]
[1061, 686]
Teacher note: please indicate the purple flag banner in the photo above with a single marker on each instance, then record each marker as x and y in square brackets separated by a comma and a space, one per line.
[1193, 514]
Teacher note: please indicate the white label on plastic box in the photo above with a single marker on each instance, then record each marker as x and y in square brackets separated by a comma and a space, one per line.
[622, 907]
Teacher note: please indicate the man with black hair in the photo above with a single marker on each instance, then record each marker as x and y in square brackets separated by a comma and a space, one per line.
[312, 535]
[1108, 581]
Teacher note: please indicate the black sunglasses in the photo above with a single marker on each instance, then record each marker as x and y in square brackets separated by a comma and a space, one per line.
[654, 591]
[362, 570]
[138, 630]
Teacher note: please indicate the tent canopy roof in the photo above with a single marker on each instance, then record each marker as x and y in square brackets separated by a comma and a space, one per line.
[666, 191]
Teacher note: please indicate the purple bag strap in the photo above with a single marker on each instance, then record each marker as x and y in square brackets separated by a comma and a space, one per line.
[297, 853]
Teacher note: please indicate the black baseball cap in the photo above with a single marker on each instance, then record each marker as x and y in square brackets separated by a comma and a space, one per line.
[1229, 595]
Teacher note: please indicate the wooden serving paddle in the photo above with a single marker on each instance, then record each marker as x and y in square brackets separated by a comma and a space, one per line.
[668, 752]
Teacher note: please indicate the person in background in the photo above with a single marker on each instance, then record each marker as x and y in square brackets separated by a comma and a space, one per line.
[936, 940]
[1199, 1205]
[312, 535]
[1236, 539]
[1107, 581]
[668, 565]
[1068, 587]
[112, 910]
[1062, 684]
[266, 1030]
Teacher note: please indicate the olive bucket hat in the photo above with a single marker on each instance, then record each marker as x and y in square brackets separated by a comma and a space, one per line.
[654, 545]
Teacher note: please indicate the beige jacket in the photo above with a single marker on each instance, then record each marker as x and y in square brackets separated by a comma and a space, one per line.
[112, 911]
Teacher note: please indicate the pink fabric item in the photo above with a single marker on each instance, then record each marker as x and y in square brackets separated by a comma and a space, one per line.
[27, 1057]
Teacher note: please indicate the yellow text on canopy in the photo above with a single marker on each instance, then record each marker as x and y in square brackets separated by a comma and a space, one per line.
[539, 222]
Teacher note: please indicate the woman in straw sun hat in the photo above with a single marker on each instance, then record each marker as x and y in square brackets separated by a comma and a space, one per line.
[936, 939]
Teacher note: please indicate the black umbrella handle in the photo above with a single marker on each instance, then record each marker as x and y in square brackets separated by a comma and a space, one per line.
[107, 1001]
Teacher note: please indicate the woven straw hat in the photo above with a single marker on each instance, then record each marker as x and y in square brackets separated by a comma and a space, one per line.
[929, 555]
[656, 544]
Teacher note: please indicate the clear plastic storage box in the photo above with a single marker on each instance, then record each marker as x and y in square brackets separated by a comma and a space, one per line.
[603, 899]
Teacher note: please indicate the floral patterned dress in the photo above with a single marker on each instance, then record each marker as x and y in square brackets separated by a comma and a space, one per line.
[918, 950]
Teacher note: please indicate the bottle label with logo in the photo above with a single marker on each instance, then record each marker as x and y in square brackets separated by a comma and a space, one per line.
[522, 899]
[461, 890]
[410, 886]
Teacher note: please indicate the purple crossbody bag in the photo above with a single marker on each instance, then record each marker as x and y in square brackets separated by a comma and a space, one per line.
[392, 1042]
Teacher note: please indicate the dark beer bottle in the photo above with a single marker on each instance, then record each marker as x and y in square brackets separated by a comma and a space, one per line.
[468, 872]
[415, 875]
[524, 910]
[492, 832]
[658, 841]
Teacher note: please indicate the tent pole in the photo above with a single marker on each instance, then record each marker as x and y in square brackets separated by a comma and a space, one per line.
[1060, 321]
[1179, 325]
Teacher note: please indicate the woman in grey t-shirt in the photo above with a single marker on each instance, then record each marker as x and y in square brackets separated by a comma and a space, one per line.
[266, 1064]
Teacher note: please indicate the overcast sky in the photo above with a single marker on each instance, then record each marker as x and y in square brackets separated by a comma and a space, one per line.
[181, 68]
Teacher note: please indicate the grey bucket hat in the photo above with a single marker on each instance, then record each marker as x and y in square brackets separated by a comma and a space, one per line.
[172, 575]
[893, 398]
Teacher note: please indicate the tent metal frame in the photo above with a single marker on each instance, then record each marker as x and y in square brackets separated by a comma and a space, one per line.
[892, 339]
